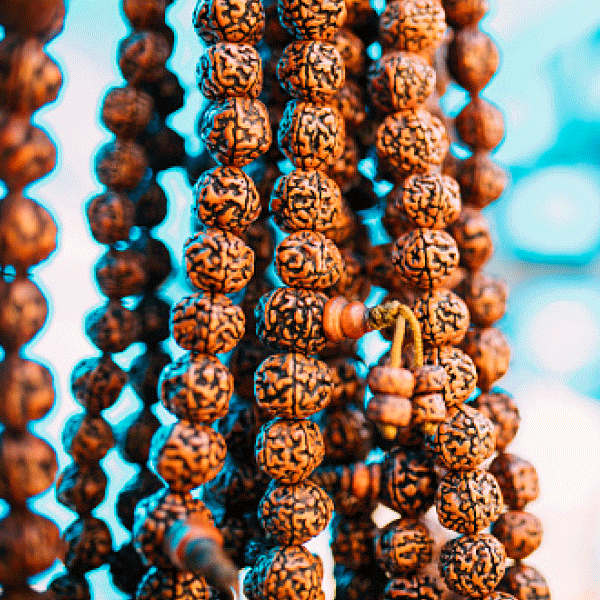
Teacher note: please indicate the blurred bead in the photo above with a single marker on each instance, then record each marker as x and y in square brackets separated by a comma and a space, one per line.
[112, 327]
[462, 375]
[480, 125]
[89, 544]
[142, 485]
[503, 413]
[471, 232]
[224, 20]
[347, 434]
[490, 352]
[524, 583]
[387, 409]
[352, 543]
[126, 111]
[391, 380]
[126, 569]
[121, 273]
[164, 147]
[171, 585]
[350, 103]
[518, 480]
[111, 216]
[70, 587]
[403, 546]
[428, 408]
[135, 435]
[35, 20]
[167, 93]
[120, 165]
[481, 180]
[344, 171]
[151, 207]
[351, 49]
[81, 489]
[462, 13]
[144, 373]
[142, 56]
[485, 297]
[145, 14]
[519, 532]
[312, 19]
[87, 438]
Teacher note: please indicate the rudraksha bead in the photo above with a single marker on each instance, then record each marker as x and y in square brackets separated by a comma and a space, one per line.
[112, 327]
[226, 198]
[400, 81]
[519, 532]
[462, 376]
[27, 232]
[518, 480]
[481, 180]
[142, 56]
[121, 273]
[126, 111]
[490, 352]
[120, 165]
[388, 409]
[308, 259]
[352, 543]
[237, 486]
[428, 408]
[312, 20]
[429, 378]
[310, 135]
[472, 565]
[472, 59]
[425, 257]
[89, 545]
[145, 14]
[142, 485]
[485, 297]
[135, 436]
[350, 103]
[228, 21]
[236, 130]
[412, 25]
[81, 489]
[465, 440]
[443, 316]
[289, 451]
[70, 587]
[292, 385]
[480, 125]
[97, 382]
[186, 455]
[207, 323]
[462, 13]
[87, 438]
[293, 514]
[524, 583]
[292, 319]
[414, 587]
[344, 171]
[26, 392]
[352, 50]
[408, 481]
[403, 546]
[347, 434]
[306, 199]
[153, 316]
[151, 206]
[311, 70]
[111, 215]
[500, 409]
[468, 501]
[391, 380]
[144, 373]
[172, 585]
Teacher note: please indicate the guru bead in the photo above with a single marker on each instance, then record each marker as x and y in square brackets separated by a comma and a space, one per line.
[501, 410]
[485, 298]
[127, 111]
[490, 352]
[228, 21]
[481, 180]
[472, 565]
[462, 375]
[312, 19]
[518, 480]
[519, 532]
[120, 165]
[480, 125]
[443, 316]
[468, 501]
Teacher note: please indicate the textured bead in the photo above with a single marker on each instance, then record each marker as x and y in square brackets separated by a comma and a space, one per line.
[471, 231]
[500, 409]
[172, 585]
[112, 327]
[403, 546]
[391, 380]
[400, 81]
[127, 111]
[293, 514]
[292, 385]
[481, 180]
[347, 434]
[207, 323]
[229, 21]
[87, 438]
[443, 316]
[144, 484]
[411, 141]
[292, 320]
[480, 125]
[344, 171]
[490, 352]
[352, 543]
[120, 165]
[89, 545]
[121, 273]
[186, 455]
[519, 532]
[518, 480]
[524, 583]
[462, 376]
[350, 103]
[142, 56]
[428, 408]
[111, 215]
[311, 136]
[462, 13]
[485, 298]
[312, 19]
[473, 565]
[145, 14]
[351, 49]
[69, 587]
[387, 409]
[429, 378]
[414, 587]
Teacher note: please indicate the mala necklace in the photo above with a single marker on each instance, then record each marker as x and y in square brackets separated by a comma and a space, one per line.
[29, 79]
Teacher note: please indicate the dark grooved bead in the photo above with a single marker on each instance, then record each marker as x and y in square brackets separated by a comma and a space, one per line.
[164, 585]
[111, 216]
[519, 532]
[225, 20]
[403, 546]
[87, 438]
[112, 327]
[500, 408]
[312, 19]
[127, 111]
[121, 165]
[81, 489]
[524, 583]
[518, 480]
[142, 56]
[89, 545]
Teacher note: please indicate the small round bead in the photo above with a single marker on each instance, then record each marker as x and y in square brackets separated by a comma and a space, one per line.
[142, 56]
[89, 544]
[292, 319]
[236, 131]
[121, 273]
[400, 81]
[111, 215]
[350, 103]
[308, 259]
[425, 257]
[311, 70]
[413, 587]
[228, 70]
[481, 180]
[403, 546]
[145, 14]
[186, 455]
[412, 25]
[480, 125]
[524, 583]
[411, 141]
[112, 327]
[468, 501]
[292, 385]
[351, 49]
[518, 480]
[462, 13]
[391, 380]
[228, 21]
[462, 375]
[485, 298]
[209, 324]
[144, 373]
[120, 165]
[490, 352]
[289, 451]
[473, 59]
[126, 111]
[500, 409]
[386, 409]
[353, 320]
[344, 171]
[471, 231]
[312, 19]
[172, 585]
[293, 514]
[352, 543]
[151, 207]
[519, 532]
[144, 484]
[347, 434]
[135, 436]
[472, 565]
[69, 587]
[311, 136]
[153, 316]
[87, 438]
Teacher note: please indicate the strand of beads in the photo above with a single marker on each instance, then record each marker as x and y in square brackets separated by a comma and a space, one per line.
[29, 79]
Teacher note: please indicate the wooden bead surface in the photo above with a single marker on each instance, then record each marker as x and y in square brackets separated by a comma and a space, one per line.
[519, 532]
[428, 408]
[89, 543]
[145, 14]
[81, 489]
[111, 215]
[87, 438]
[480, 125]
[312, 19]
[471, 231]
[485, 297]
[518, 480]
[388, 409]
[501, 410]
[384, 379]
[126, 111]
[524, 583]
[121, 273]
[228, 21]
[347, 434]
[403, 546]
[120, 165]
[462, 375]
[142, 56]
[112, 328]
[429, 378]
[462, 13]
[352, 543]
[481, 180]
[350, 103]
[172, 585]
[490, 352]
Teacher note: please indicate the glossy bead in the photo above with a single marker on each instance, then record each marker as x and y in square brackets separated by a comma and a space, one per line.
[292, 385]
[170, 585]
[462, 375]
[411, 141]
[142, 56]
[312, 19]
[485, 297]
[524, 583]
[443, 316]
[112, 327]
[500, 408]
[400, 81]
[403, 546]
[480, 125]
[120, 165]
[413, 587]
[490, 352]
[228, 21]
[518, 480]
[311, 70]
[87, 438]
[481, 180]
[471, 231]
[236, 130]
[89, 545]
[127, 111]
[207, 323]
[519, 532]
[311, 136]
[111, 216]
[472, 565]
[462, 13]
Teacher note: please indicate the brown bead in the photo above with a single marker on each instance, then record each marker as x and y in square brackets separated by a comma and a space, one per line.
[312, 20]
[480, 125]
[490, 352]
[259, 237]
[142, 56]
[81, 489]
[352, 543]
[403, 546]
[186, 455]
[111, 215]
[413, 587]
[142, 485]
[412, 25]
[145, 14]
[351, 49]
[144, 373]
[350, 103]
[225, 20]
[347, 434]
[236, 130]
[112, 327]
[429, 378]
[481, 180]
[428, 408]
[391, 380]
[89, 545]
[229, 69]
[151, 207]
[472, 59]
[293, 514]
[332, 318]
[518, 480]
[87, 438]
[135, 436]
[503, 413]
[126, 111]
[167, 93]
[411, 141]
[70, 587]
[121, 273]
[153, 317]
[465, 440]
[462, 13]
[26, 392]
[462, 376]
[524, 583]
[353, 283]
[519, 532]
[171, 585]
[496, 595]
[311, 136]
[485, 298]
[120, 165]
[289, 451]
[472, 565]
[344, 171]
[207, 323]
[400, 81]
[472, 234]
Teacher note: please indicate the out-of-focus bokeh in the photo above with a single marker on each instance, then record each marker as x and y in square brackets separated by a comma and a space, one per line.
[547, 236]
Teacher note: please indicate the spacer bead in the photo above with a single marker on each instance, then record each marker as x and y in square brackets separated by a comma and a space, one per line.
[353, 320]
[332, 318]
[385, 379]
[388, 409]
